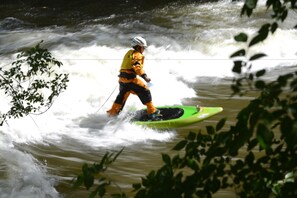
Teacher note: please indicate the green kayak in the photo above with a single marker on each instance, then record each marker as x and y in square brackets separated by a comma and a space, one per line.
[175, 116]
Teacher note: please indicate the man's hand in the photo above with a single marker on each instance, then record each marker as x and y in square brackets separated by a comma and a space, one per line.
[147, 79]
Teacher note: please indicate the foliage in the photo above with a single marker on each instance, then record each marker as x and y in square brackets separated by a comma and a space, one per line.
[89, 173]
[211, 162]
[280, 10]
[31, 84]
[266, 130]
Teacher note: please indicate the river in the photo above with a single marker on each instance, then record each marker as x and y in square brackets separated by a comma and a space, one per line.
[187, 60]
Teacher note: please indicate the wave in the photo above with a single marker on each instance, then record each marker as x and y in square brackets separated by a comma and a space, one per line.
[24, 175]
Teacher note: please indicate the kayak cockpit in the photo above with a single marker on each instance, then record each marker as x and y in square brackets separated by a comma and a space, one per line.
[167, 114]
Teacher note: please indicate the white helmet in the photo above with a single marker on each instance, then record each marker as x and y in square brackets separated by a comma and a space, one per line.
[138, 40]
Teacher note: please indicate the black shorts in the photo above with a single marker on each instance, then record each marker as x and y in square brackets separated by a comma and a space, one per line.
[143, 93]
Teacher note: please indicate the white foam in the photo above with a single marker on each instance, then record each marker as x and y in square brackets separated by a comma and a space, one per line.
[26, 177]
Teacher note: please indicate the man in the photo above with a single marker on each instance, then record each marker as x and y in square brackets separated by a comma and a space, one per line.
[129, 81]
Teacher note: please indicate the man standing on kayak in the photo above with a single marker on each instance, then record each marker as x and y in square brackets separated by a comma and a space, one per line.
[129, 82]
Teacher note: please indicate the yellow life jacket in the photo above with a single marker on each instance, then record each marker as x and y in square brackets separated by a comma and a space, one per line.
[127, 60]
[132, 66]
[131, 59]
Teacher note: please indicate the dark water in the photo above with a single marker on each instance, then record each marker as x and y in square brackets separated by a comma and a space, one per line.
[40, 13]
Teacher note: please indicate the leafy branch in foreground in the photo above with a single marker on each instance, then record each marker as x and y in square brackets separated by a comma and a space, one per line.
[243, 61]
[31, 84]
[265, 130]
[90, 173]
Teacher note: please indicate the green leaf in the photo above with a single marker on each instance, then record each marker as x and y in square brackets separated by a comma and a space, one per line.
[192, 164]
[180, 145]
[237, 67]
[252, 144]
[262, 35]
[136, 186]
[235, 88]
[151, 175]
[238, 53]
[78, 181]
[249, 159]
[166, 159]
[284, 15]
[242, 37]
[274, 27]
[260, 84]
[116, 156]
[191, 136]
[282, 80]
[260, 73]
[247, 10]
[216, 183]
[215, 151]
[257, 39]
[220, 124]
[264, 136]
[88, 181]
[257, 56]
[101, 190]
[210, 130]
[176, 161]
[93, 194]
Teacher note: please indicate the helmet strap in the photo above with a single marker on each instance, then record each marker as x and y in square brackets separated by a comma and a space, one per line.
[137, 48]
